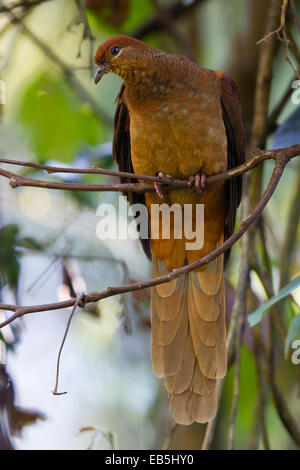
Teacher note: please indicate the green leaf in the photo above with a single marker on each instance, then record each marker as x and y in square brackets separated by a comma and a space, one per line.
[13, 272]
[102, 20]
[256, 316]
[9, 264]
[293, 329]
[55, 122]
[8, 238]
[139, 12]
[30, 243]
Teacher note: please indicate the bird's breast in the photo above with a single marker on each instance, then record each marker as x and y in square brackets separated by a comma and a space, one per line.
[179, 137]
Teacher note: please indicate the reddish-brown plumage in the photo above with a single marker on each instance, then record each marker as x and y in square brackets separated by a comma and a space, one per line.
[179, 119]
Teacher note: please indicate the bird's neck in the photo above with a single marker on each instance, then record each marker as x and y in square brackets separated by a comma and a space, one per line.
[160, 83]
[148, 84]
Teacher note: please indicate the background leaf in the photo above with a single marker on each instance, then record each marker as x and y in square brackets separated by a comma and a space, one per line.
[256, 316]
[50, 113]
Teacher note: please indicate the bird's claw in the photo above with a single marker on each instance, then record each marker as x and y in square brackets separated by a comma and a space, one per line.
[199, 181]
[159, 191]
[166, 178]
[157, 186]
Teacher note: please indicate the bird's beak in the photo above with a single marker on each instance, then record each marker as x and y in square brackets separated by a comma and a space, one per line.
[102, 70]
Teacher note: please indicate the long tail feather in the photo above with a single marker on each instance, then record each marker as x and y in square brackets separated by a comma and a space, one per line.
[189, 339]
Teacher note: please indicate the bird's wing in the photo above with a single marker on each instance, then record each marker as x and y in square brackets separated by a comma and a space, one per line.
[235, 130]
[122, 153]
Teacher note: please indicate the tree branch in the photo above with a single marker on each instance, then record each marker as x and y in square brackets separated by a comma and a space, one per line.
[111, 291]
[258, 157]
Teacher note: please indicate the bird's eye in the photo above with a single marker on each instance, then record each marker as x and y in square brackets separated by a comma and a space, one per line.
[114, 50]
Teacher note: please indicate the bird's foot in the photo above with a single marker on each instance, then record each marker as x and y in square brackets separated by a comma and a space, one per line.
[199, 181]
[159, 191]
[165, 179]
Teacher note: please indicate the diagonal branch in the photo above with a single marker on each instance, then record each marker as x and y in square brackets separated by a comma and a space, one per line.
[111, 291]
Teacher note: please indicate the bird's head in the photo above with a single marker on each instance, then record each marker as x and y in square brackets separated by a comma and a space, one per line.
[119, 54]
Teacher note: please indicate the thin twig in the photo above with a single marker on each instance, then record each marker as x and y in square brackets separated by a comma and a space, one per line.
[280, 27]
[287, 43]
[79, 299]
[282, 35]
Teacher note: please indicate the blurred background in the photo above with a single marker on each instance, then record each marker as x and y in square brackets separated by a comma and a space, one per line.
[49, 250]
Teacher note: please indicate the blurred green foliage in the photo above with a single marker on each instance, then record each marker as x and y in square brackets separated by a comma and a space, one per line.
[255, 317]
[139, 12]
[56, 124]
[9, 263]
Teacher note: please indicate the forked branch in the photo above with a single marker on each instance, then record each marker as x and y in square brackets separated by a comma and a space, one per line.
[280, 163]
